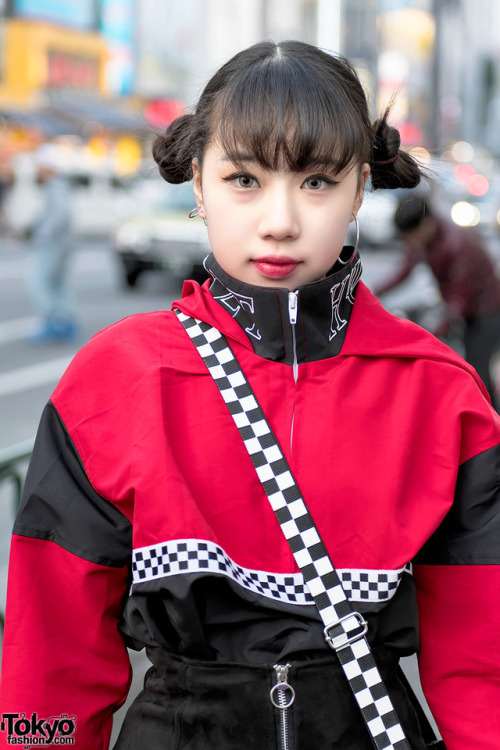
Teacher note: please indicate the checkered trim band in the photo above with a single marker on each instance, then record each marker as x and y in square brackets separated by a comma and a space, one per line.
[181, 556]
[300, 531]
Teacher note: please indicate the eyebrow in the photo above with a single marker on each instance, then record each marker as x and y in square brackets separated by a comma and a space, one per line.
[320, 164]
[239, 158]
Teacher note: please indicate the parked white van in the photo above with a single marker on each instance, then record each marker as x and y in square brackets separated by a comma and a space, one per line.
[100, 199]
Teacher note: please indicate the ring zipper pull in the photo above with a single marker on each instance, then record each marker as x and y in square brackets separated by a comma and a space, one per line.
[278, 690]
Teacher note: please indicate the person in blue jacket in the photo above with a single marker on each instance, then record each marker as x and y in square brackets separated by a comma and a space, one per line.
[52, 243]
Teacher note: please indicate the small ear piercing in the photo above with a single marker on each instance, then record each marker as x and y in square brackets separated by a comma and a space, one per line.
[198, 212]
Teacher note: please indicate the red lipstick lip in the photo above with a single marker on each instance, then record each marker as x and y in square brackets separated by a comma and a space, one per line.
[276, 266]
[278, 260]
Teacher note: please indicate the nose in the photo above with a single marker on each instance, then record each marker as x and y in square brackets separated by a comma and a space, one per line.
[279, 218]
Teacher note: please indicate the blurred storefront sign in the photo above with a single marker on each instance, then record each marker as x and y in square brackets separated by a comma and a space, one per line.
[77, 14]
[65, 70]
[54, 86]
[117, 26]
[41, 56]
[161, 112]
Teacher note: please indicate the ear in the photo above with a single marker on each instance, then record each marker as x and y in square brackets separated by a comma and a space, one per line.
[198, 194]
[364, 173]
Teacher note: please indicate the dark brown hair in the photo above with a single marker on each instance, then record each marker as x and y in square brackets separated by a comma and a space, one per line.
[286, 103]
[410, 213]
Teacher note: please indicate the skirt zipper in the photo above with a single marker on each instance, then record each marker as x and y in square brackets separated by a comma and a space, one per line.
[282, 701]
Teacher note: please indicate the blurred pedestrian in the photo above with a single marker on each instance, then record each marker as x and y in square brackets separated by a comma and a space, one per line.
[51, 239]
[6, 176]
[465, 274]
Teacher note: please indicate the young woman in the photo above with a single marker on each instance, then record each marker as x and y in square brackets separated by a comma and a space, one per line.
[144, 521]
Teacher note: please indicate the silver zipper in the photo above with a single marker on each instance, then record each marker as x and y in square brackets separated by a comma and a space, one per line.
[292, 306]
[292, 314]
[282, 696]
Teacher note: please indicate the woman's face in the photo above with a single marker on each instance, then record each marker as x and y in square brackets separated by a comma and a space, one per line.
[275, 228]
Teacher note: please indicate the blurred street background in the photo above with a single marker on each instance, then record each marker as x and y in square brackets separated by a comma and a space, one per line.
[95, 79]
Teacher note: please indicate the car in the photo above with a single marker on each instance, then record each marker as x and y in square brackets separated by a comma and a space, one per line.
[160, 236]
[99, 199]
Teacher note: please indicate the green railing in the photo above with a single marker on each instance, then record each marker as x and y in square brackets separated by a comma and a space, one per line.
[11, 460]
[11, 469]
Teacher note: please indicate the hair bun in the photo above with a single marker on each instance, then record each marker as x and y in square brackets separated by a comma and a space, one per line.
[391, 167]
[174, 150]
[386, 146]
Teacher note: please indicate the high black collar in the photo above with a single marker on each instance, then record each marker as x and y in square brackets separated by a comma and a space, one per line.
[323, 311]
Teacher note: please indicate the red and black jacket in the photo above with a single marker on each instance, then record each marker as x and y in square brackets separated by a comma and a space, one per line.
[143, 521]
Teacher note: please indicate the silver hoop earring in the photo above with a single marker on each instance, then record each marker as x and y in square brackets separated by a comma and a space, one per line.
[193, 213]
[346, 262]
[357, 234]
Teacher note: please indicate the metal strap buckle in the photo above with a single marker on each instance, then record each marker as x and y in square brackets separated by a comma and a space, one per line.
[344, 639]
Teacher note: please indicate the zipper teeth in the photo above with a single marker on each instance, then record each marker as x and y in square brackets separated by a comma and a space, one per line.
[293, 300]
[284, 704]
[295, 365]
[285, 745]
[292, 314]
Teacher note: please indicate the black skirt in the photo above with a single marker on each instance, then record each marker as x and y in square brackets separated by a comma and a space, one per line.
[200, 705]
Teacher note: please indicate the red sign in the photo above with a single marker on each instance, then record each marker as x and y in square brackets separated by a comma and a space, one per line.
[161, 112]
[67, 71]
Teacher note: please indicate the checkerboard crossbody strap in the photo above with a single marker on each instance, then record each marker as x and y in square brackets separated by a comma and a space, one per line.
[344, 629]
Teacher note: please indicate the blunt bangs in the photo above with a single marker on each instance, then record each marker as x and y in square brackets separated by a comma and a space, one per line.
[288, 111]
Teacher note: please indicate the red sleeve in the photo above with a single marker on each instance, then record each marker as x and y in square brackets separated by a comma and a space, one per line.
[459, 662]
[458, 588]
[63, 655]
[62, 652]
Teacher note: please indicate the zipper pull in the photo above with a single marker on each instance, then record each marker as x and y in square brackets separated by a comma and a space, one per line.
[281, 686]
[293, 306]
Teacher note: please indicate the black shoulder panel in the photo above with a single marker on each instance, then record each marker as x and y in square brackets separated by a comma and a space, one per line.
[59, 504]
[470, 533]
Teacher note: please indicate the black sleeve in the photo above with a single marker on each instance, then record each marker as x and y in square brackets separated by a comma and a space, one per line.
[60, 505]
[470, 532]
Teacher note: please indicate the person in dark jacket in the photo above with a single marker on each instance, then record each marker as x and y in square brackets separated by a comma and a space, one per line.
[466, 276]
